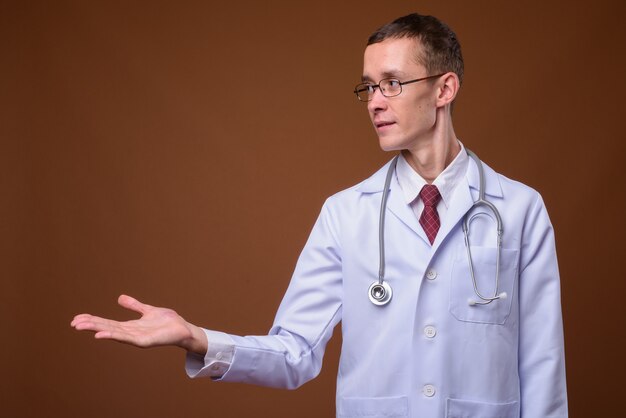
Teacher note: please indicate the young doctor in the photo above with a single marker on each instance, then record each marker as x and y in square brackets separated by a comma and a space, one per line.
[442, 272]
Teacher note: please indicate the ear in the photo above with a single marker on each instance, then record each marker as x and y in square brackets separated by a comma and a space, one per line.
[447, 89]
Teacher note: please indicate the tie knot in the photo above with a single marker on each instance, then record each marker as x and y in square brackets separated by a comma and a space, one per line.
[430, 195]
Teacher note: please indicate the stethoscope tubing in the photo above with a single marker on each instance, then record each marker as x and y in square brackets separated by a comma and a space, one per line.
[380, 291]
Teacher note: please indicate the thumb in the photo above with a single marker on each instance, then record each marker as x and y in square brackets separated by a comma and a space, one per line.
[133, 304]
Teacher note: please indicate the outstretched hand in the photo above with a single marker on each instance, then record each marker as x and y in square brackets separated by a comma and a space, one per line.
[156, 327]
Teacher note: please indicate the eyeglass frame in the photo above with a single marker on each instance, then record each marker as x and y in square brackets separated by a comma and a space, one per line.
[400, 83]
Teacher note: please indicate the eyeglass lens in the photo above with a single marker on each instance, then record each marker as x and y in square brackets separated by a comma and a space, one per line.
[389, 87]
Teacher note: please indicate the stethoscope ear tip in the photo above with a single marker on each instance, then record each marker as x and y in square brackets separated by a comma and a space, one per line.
[471, 302]
[502, 295]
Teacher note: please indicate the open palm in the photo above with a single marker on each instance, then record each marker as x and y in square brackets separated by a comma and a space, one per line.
[156, 327]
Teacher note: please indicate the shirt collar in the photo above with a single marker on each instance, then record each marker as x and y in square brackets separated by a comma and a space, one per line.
[411, 182]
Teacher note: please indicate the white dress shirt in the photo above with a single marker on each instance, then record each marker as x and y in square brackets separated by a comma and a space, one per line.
[411, 183]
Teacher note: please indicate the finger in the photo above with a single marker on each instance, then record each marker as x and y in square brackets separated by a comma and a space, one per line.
[81, 319]
[115, 333]
[122, 337]
[133, 304]
[78, 318]
[95, 323]
[103, 335]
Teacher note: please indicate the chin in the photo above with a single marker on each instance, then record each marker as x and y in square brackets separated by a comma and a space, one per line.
[388, 144]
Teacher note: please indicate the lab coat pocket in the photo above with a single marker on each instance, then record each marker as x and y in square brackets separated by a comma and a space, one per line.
[462, 292]
[459, 408]
[387, 407]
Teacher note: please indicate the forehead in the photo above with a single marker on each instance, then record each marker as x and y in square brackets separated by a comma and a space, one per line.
[394, 57]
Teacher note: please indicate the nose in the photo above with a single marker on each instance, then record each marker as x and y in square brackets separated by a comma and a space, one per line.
[378, 102]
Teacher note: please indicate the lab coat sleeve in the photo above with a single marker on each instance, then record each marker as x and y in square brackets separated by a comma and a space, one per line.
[541, 347]
[292, 352]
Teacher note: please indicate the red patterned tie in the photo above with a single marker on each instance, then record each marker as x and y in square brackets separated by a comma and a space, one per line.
[430, 218]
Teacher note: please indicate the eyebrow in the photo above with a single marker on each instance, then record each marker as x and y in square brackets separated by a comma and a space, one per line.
[387, 74]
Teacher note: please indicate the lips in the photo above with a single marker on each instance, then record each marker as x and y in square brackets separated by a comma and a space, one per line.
[381, 124]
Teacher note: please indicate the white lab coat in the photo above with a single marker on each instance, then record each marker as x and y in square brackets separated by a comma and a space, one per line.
[428, 353]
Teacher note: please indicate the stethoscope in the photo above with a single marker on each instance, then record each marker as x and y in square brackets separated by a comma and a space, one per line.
[380, 292]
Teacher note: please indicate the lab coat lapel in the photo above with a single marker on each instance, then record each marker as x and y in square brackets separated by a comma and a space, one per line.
[461, 202]
[398, 206]
[395, 202]
[464, 197]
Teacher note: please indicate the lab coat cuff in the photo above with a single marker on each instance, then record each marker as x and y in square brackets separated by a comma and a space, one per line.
[217, 359]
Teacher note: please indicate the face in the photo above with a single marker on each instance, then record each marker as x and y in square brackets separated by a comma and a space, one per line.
[404, 121]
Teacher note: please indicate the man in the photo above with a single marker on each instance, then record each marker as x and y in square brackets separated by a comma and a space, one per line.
[446, 329]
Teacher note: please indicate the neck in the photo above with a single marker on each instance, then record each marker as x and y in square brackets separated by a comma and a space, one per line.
[431, 155]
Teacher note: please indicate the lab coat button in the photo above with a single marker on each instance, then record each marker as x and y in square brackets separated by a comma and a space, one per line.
[430, 331]
[431, 274]
[219, 355]
[429, 390]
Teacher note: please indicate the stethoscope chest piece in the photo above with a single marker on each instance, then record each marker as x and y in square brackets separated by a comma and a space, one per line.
[380, 293]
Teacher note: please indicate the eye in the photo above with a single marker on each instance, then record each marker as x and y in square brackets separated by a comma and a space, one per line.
[393, 83]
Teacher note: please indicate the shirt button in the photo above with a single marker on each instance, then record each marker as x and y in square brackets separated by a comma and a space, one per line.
[219, 355]
[215, 367]
[429, 390]
[430, 331]
[431, 274]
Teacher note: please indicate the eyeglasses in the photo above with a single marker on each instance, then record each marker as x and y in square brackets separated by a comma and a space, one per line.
[389, 87]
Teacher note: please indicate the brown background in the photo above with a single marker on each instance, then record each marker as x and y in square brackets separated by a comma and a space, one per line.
[180, 153]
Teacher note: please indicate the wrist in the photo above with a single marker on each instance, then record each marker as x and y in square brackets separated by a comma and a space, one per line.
[197, 340]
